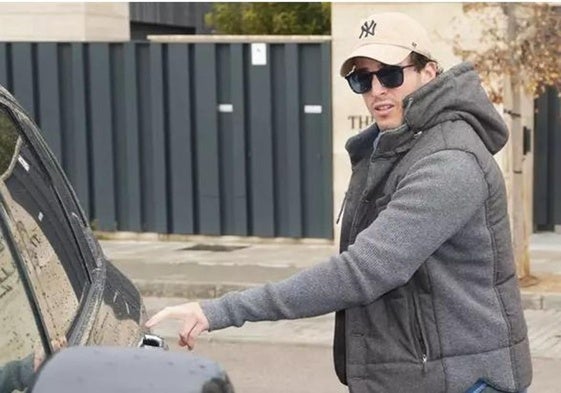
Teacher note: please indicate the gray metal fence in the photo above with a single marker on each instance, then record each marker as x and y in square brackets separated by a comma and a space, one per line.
[547, 161]
[186, 138]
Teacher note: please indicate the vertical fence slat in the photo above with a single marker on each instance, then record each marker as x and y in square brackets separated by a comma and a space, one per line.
[311, 148]
[144, 120]
[125, 136]
[157, 135]
[180, 136]
[326, 135]
[238, 130]
[79, 131]
[225, 138]
[316, 134]
[102, 136]
[208, 177]
[49, 96]
[261, 149]
[130, 205]
[279, 141]
[5, 56]
[75, 155]
[293, 153]
[22, 70]
[116, 64]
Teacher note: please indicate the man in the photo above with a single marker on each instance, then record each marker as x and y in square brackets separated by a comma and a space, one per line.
[425, 287]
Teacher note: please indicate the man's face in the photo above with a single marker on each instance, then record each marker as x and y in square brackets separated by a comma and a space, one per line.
[385, 104]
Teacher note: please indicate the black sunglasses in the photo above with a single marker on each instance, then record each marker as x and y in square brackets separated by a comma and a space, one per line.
[389, 76]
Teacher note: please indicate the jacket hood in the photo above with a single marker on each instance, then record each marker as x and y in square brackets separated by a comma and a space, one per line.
[457, 94]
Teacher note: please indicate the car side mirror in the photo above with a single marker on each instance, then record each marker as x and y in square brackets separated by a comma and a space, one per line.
[139, 370]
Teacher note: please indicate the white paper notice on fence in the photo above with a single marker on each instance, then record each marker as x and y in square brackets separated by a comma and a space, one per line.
[259, 54]
[225, 108]
[312, 108]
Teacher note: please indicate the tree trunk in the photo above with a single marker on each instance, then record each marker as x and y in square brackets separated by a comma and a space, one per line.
[519, 225]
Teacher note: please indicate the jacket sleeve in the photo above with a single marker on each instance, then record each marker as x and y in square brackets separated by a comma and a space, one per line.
[434, 200]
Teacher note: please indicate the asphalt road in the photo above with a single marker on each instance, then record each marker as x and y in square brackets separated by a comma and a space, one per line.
[274, 368]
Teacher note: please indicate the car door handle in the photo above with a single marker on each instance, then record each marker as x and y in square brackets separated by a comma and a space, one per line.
[153, 341]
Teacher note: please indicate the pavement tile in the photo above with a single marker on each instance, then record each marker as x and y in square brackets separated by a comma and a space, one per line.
[532, 301]
[552, 301]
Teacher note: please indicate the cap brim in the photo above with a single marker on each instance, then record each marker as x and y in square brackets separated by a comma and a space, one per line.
[387, 54]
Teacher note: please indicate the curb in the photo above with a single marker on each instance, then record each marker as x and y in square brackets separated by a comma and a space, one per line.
[208, 290]
[188, 290]
[541, 301]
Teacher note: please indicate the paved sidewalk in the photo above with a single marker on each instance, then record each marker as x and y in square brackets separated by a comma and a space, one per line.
[206, 269]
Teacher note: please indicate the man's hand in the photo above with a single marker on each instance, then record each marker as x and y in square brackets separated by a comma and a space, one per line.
[192, 316]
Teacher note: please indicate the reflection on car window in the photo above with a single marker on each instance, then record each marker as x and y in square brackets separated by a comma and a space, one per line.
[20, 343]
[41, 230]
[8, 141]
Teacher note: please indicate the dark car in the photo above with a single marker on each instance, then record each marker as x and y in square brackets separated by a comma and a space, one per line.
[56, 287]
[117, 370]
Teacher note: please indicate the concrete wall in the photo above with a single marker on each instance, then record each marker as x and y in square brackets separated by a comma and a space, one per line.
[76, 21]
[442, 20]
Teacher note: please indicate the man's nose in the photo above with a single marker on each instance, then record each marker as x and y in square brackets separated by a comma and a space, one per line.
[376, 87]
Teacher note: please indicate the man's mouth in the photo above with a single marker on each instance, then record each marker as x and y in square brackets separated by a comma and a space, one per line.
[383, 108]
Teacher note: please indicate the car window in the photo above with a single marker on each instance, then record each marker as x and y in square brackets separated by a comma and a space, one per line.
[67, 198]
[20, 342]
[42, 234]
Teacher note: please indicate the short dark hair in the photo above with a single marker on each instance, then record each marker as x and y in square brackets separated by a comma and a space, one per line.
[420, 61]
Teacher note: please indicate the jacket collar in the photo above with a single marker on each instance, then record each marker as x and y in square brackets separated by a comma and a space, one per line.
[391, 142]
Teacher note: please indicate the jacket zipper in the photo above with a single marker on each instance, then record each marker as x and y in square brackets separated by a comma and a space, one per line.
[342, 208]
[422, 339]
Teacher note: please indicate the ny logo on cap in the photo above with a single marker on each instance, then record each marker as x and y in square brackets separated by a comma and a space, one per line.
[367, 29]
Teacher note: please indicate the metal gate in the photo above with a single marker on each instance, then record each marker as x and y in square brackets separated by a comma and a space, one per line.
[547, 161]
[195, 138]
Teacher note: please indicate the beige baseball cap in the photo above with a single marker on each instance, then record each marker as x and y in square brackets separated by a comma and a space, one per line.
[388, 37]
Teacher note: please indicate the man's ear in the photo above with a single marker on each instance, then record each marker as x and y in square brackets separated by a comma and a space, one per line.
[429, 72]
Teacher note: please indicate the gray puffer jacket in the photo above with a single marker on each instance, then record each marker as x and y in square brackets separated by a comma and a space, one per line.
[425, 285]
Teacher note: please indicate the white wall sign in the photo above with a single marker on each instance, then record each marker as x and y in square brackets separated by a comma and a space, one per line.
[312, 108]
[226, 108]
[259, 54]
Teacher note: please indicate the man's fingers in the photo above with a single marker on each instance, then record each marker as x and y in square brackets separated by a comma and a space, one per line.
[197, 330]
[159, 317]
[194, 321]
[186, 330]
[188, 338]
